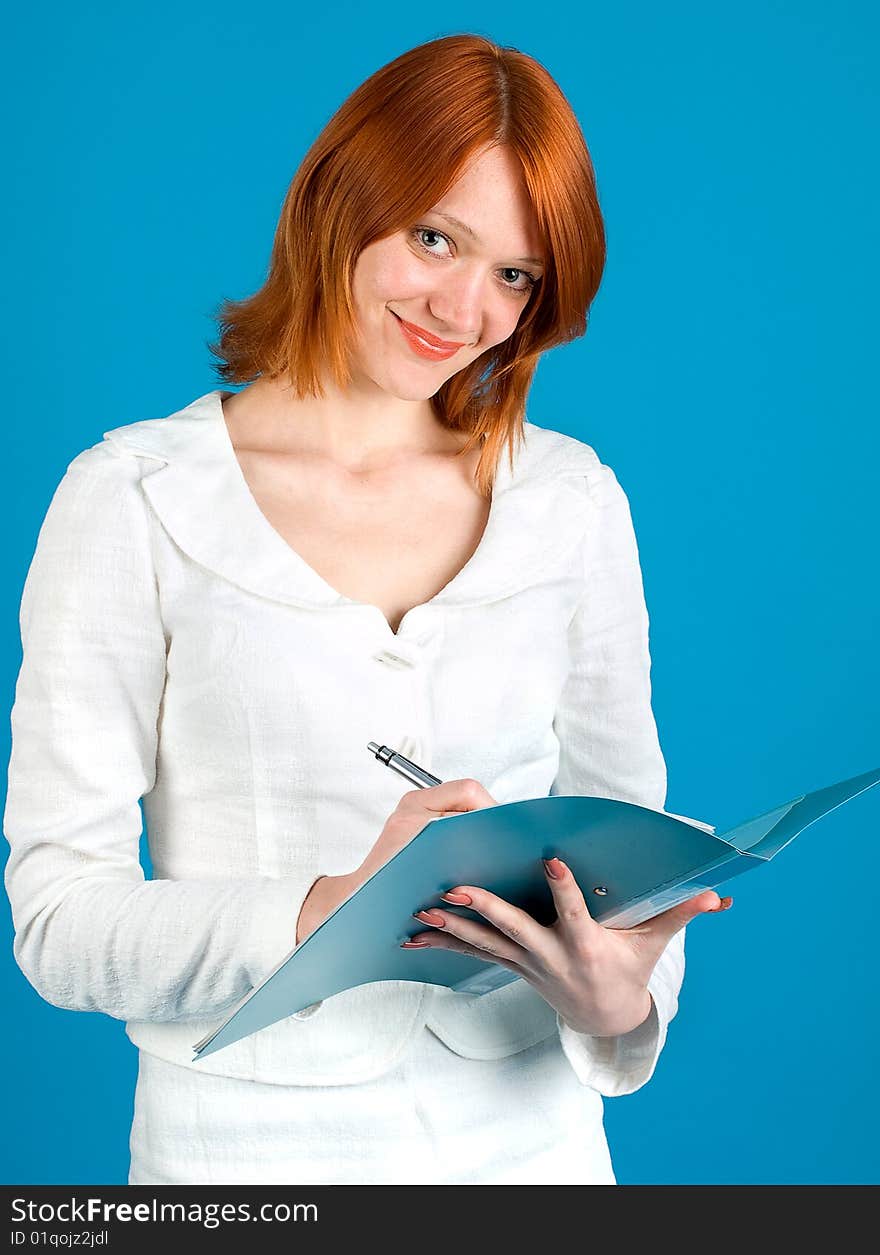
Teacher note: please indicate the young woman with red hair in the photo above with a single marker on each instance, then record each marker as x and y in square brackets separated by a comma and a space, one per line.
[368, 542]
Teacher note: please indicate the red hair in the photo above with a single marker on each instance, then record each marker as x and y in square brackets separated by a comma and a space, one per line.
[387, 155]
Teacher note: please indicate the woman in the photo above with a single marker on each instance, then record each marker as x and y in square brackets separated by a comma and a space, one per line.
[367, 543]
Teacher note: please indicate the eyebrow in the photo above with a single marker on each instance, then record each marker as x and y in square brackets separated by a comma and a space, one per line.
[463, 226]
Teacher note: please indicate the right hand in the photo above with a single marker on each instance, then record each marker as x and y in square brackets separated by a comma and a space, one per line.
[414, 810]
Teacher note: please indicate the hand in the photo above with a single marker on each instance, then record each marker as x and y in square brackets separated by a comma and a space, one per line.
[596, 978]
[414, 810]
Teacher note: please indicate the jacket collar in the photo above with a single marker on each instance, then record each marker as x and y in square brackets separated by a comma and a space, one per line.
[540, 510]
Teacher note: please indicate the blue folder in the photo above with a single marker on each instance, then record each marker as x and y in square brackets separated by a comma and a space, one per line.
[630, 862]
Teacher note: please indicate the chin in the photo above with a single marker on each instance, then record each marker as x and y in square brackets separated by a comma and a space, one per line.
[411, 391]
[404, 387]
[400, 379]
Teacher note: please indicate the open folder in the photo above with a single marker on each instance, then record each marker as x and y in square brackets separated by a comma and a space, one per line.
[630, 862]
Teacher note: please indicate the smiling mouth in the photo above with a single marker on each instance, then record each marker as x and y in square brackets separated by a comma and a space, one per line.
[434, 349]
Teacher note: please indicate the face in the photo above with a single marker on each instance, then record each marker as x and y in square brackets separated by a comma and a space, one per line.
[433, 297]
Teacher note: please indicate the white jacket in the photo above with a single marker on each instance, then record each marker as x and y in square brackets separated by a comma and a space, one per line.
[177, 650]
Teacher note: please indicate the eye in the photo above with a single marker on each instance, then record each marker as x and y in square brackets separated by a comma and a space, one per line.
[422, 231]
[530, 279]
[520, 285]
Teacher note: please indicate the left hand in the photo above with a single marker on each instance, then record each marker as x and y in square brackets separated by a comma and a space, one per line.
[596, 978]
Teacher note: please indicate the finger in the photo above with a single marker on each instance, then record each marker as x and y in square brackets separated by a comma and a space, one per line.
[515, 923]
[491, 949]
[452, 796]
[452, 932]
[572, 912]
[663, 927]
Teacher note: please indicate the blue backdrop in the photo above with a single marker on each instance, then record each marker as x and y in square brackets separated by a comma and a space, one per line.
[728, 376]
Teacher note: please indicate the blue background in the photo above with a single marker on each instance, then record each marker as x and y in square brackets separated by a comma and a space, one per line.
[728, 376]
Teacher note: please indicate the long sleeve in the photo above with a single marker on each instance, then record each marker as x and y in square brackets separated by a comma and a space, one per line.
[91, 933]
[609, 748]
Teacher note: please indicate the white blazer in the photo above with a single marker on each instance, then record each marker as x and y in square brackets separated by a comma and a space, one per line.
[175, 649]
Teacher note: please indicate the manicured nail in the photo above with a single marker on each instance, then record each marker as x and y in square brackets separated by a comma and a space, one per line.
[554, 867]
[458, 899]
[415, 945]
[429, 917]
[724, 905]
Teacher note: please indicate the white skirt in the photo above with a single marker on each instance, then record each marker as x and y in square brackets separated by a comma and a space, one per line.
[435, 1118]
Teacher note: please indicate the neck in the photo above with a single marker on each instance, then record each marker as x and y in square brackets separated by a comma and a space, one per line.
[359, 429]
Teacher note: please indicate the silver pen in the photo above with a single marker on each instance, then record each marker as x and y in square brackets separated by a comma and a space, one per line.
[410, 771]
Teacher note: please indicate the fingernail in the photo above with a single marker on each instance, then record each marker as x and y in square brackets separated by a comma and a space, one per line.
[429, 917]
[724, 905]
[459, 899]
[415, 945]
[554, 867]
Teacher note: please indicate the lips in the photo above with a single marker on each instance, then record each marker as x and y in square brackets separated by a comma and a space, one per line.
[451, 345]
[425, 343]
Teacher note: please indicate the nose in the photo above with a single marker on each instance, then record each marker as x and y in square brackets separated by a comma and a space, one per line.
[457, 304]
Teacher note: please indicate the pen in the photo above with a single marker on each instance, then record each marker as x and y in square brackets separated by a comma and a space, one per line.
[410, 771]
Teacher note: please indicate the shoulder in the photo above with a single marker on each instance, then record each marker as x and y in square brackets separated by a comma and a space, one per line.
[103, 461]
[553, 455]
[563, 463]
[128, 453]
[547, 450]
[99, 495]
[101, 477]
